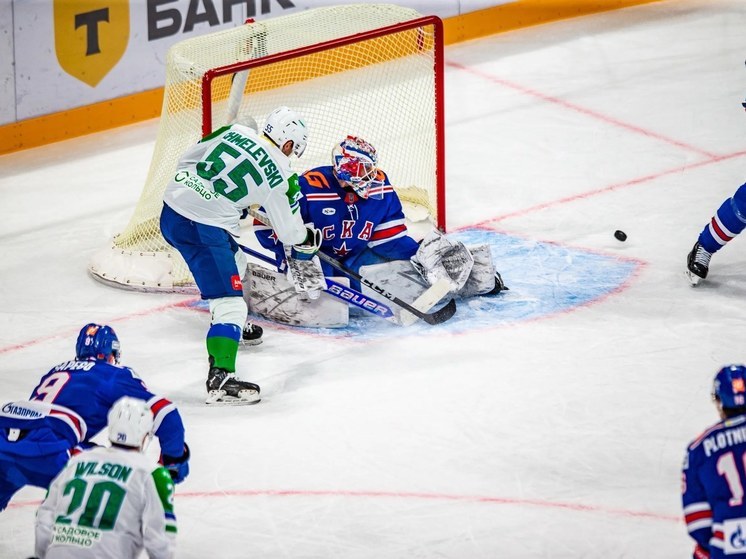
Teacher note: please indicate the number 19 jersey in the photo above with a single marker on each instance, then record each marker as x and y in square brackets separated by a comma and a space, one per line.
[714, 477]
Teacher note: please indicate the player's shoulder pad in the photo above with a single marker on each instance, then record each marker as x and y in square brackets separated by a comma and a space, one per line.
[382, 176]
[706, 433]
[215, 134]
[129, 373]
[318, 177]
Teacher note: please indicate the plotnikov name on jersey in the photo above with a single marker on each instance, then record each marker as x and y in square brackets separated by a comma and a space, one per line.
[724, 439]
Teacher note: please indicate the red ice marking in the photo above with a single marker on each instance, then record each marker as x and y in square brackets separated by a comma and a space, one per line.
[68, 333]
[610, 188]
[577, 108]
[539, 503]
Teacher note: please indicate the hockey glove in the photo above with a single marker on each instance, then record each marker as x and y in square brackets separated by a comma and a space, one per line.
[442, 258]
[309, 247]
[178, 467]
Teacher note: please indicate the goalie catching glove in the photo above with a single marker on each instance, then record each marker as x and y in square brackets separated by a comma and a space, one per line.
[304, 268]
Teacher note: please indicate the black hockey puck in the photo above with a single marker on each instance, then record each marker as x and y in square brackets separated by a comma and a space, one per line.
[620, 235]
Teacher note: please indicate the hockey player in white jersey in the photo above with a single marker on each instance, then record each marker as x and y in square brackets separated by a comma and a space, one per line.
[216, 180]
[111, 502]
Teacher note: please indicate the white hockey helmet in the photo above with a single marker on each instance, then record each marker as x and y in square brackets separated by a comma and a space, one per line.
[130, 422]
[284, 124]
[355, 166]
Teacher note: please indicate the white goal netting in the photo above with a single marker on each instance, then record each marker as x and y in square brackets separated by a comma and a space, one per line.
[369, 70]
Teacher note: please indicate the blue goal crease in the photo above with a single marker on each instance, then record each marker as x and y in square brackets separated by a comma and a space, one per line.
[544, 279]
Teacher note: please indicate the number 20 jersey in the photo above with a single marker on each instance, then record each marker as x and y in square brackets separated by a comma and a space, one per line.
[108, 503]
[714, 477]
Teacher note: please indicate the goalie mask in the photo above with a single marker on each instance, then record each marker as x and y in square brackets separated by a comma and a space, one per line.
[355, 166]
[284, 124]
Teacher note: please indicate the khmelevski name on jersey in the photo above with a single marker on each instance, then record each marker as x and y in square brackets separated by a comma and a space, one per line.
[230, 170]
[108, 503]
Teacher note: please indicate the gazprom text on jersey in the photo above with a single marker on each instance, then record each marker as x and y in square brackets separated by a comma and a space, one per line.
[14, 409]
[257, 153]
[724, 439]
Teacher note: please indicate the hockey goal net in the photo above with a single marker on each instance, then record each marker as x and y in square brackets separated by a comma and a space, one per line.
[374, 71]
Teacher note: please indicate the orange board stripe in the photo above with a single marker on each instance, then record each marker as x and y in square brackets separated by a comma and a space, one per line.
[59, 126]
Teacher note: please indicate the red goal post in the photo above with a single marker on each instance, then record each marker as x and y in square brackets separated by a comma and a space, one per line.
[370, 70]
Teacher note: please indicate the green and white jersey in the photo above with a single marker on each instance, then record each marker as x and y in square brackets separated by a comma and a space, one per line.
[107, 503]
[228, 171]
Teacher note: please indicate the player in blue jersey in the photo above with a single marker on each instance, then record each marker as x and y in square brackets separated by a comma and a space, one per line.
[69, 407]
[353, 204]
[727, 223]
[714, 473]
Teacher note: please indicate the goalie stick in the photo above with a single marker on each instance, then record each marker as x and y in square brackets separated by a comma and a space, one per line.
[426, 301]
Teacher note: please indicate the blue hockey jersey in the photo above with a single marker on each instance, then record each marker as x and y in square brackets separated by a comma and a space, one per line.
[355, 231]
[714, 477]
[70, 404]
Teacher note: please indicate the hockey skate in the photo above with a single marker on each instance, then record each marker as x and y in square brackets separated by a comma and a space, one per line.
[224, 388]
[698, 264]
[251, 335]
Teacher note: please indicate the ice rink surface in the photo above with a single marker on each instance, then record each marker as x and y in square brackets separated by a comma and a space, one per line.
[552, 423]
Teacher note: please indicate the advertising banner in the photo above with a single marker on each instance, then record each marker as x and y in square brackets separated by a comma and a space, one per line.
[7, 77]
[73, 53]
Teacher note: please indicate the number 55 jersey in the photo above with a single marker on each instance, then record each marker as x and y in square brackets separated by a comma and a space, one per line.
[714, 477]
[108, 503]
[230, 170]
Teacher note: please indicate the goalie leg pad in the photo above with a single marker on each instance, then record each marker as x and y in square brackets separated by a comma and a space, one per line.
[270, 295]
[483, 276]
[442, 258]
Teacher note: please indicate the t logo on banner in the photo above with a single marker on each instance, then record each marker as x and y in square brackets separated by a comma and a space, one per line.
[90, 37]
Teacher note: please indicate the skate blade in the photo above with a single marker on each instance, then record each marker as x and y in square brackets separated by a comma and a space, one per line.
[694, 279]
[220, 398]
[249, 343]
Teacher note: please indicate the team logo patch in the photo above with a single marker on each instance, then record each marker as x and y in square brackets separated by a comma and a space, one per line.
[328, 211]
[236, 282]
[90, 37]
[738, 385]
[734, 536]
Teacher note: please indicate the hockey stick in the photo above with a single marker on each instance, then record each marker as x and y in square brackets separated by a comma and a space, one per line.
[436, 292]
[342, 292]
